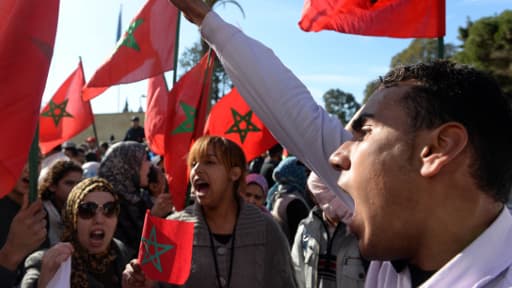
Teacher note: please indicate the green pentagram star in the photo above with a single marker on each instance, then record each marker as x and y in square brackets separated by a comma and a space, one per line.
[154, 258]
[57, 111]
[237, 126]
[129, 40]
[188, 124]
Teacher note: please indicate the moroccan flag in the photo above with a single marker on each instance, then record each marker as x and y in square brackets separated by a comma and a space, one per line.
[165, 251]
[232, 118]
[155, 123]
[391, 18]
[66, 114]
[27, 36]
[145, 50]
[188, 102]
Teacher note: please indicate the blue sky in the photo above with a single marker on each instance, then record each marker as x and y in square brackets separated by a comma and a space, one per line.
[322, 60]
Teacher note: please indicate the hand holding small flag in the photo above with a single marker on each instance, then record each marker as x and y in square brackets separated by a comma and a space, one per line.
[165, 252]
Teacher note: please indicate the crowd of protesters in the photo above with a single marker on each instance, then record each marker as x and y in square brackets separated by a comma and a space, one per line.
[427, 177]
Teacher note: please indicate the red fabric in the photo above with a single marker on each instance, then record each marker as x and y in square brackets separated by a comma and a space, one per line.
[73, 115]
[165, 251]
[27, 36]
[392, 18]
[192, 91]
[145, 50]
[257, 140]
[156, 114]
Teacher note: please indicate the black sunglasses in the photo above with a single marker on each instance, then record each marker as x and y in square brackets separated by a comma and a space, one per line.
[87, 210]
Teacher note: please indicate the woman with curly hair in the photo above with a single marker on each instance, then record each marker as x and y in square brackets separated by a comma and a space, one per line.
[97, 259]
[54, 189]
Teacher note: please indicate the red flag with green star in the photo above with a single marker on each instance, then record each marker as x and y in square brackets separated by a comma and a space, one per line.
[27, 36]
[145, 50]
[155, 123]
[189, 101]
[232, 118]
[66, 114]
[391, 18]
[165, 252]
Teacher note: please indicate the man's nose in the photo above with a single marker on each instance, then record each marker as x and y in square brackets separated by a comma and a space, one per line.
[339, 159]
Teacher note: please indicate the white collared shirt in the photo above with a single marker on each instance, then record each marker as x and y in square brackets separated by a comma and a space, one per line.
[486, 262]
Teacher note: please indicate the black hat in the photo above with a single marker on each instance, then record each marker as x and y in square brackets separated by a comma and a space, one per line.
[135, 118]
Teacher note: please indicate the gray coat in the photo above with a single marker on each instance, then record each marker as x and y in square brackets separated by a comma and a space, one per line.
[312, 240]
[262, 255]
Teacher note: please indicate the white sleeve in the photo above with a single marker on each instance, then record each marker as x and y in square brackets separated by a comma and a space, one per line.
[278, 97]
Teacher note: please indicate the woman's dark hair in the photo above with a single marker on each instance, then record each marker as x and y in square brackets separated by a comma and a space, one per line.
[56, 172]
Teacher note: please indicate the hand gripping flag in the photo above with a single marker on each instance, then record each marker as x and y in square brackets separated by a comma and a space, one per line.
[27, 36]
[66, 114]
[232, 118]
[165, 251]
[391, 18]
[145, 50]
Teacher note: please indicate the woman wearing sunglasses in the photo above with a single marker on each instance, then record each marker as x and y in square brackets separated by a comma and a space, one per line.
[90, 219]
[235, 244]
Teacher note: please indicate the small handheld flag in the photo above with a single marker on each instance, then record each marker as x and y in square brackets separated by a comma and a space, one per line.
[165, 251]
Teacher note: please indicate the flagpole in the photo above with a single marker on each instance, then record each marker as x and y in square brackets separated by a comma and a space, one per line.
[118, 36]
[92, 114]
[33, 165]
[440, 47]
[176, 48]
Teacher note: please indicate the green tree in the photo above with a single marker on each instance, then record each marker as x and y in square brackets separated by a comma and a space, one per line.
[221, 84]
[370, 88]
[421, 50]
[487, 45]
[340, 104]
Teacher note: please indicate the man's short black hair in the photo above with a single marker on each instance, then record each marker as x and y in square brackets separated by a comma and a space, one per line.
[452, 92]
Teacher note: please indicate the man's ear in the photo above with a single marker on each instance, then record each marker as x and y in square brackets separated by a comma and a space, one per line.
[446, 142]
[235, 173]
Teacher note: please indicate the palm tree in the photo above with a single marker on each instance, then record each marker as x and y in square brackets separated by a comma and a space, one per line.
[191, 56]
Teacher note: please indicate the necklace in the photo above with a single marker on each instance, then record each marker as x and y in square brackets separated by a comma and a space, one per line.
[214, 254]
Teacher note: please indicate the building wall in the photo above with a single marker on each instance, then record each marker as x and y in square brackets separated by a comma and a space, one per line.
[109, 124]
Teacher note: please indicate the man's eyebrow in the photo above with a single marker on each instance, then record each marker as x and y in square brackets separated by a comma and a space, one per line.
[359, 122]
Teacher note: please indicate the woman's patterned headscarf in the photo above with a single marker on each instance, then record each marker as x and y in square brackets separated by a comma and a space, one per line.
[81, 260]
[121, 167]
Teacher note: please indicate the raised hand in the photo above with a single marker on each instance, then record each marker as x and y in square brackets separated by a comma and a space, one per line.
[162, 206]
[26, 233]
[52, 260]
[194, 10]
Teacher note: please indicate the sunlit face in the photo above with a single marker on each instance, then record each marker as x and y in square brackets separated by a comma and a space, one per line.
[212, 183]
[95, 234]
[380, 170]
[253, 194]
[144, 171]
[64, 186]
